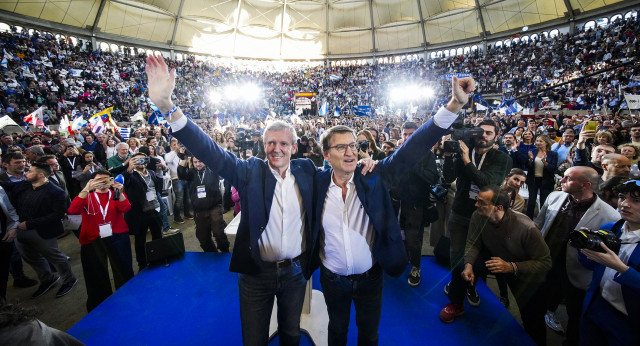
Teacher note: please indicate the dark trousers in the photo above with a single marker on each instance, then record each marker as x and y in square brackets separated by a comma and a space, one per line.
[365, 291]
[96, 257]
[257, 294]
[532, 307]
[412, 223]
[535, 187]
[210, 222]
[602, 324]
[574, 296]
[15, 266]
[458, 226]
[149, 220]
[5, 258]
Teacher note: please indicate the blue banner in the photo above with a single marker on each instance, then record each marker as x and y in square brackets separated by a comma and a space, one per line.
[448, 76]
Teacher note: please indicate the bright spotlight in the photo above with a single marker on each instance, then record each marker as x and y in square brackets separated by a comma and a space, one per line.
[251, 92]
[429, 92]
[232, 92]
[215, 96]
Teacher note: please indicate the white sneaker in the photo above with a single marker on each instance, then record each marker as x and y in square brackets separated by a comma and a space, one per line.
[553, 323]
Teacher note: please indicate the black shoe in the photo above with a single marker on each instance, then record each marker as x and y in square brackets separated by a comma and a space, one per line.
[45, 287]
[24, 282]
[65, 288]
[188, 217]
[472, 296]
[414, 276]
[178, 220]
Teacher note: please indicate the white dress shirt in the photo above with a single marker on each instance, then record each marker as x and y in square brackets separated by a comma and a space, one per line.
[284, 235]
[348, 233]
[173, 161]
[611, 290]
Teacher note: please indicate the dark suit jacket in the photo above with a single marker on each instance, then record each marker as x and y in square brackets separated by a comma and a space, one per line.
[548, 172]
[255, 184]
[50, 212]
[373, 191]
[136, 189]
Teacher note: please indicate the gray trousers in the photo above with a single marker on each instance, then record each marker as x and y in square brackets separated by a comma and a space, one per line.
[37, 251]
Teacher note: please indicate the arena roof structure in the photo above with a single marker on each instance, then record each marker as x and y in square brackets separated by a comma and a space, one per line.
[298, 29]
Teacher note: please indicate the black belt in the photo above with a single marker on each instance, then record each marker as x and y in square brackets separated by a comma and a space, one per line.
[375, 270]
[285, 263]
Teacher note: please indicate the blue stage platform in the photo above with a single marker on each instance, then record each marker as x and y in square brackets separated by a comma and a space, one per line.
[194, 301]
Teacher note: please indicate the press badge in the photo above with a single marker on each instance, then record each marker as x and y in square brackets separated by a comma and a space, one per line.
[473, 191]
[202, 192]
[105, 230]
[151, 195]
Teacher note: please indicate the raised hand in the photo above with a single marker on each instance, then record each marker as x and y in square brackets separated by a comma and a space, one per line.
[161, 83]
[460, 89]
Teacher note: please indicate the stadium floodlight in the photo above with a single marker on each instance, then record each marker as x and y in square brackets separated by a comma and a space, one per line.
[525, 28]
[411, 92]
[250, 92]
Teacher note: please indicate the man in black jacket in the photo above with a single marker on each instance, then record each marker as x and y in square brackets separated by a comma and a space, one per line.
[203, 188]
[40, 205]
[474, 168]
[411, 194]
[142, 187]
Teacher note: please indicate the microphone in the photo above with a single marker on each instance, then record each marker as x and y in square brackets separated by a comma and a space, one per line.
[116, 193]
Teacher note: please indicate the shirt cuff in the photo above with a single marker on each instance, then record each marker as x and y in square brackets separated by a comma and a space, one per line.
[443, 118]
[179, 124]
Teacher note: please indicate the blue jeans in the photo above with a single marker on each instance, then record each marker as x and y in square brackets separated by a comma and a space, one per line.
[256, 303]
[178, 202]
[365, 291]
[163, 213]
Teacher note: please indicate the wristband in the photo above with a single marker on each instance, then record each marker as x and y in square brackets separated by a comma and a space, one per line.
[512, 267]
[168, 115]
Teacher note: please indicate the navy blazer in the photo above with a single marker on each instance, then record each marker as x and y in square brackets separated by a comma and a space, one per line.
[373, 191]
[255, 185]
[629, 281]
[548, 172]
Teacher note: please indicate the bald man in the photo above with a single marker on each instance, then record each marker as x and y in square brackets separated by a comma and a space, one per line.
[615, 165]
[574, 207]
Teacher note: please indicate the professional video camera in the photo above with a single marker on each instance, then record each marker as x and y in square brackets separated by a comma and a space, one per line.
[243, 139]
[590, 239]
[467, 134]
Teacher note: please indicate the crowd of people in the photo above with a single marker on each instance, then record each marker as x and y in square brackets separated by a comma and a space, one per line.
[583, 166]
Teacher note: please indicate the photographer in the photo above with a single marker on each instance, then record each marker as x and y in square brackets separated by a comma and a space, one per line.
[368, 147]
[86, 169]
[474, 168]
[612, 301]
[102, 244]
[203, 188]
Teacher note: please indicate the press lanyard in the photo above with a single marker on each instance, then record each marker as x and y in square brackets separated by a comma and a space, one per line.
[106, 209]
[73, 164]
[204, 171]
[473, 159]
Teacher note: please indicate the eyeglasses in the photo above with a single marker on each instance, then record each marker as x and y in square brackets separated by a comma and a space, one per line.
[342, 148]
[481, 202]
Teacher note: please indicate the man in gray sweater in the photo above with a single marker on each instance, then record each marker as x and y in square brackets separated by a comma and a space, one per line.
[515, 249]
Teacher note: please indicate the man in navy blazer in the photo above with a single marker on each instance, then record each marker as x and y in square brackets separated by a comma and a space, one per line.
[272, 242]
[612, 304]
[356, 235]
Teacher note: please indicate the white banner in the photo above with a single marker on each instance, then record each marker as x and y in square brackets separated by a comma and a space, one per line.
[633, 101]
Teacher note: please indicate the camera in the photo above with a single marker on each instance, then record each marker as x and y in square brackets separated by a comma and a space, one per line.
[142, 160]
[363, 145]
[590, 239]
[459, 131]
[243, 139]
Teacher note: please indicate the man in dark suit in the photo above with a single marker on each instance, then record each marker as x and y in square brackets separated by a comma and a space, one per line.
[142, 187]
[40, 206]
[356, 235]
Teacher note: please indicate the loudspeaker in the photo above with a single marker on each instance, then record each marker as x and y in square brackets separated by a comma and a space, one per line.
[165, 249]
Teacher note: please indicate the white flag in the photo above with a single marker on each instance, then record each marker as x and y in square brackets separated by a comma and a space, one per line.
[633, 101]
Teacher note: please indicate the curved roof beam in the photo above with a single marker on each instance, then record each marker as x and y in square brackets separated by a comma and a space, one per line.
[373, 30]
[570, 15]
[94, 27]
[284, 13]
[483, 34]
[424, 32]
[235, 28]
[175, 24]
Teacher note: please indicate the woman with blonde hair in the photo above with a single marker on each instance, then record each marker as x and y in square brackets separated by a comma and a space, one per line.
[541, 168]
[134, 145]
[632, 152]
